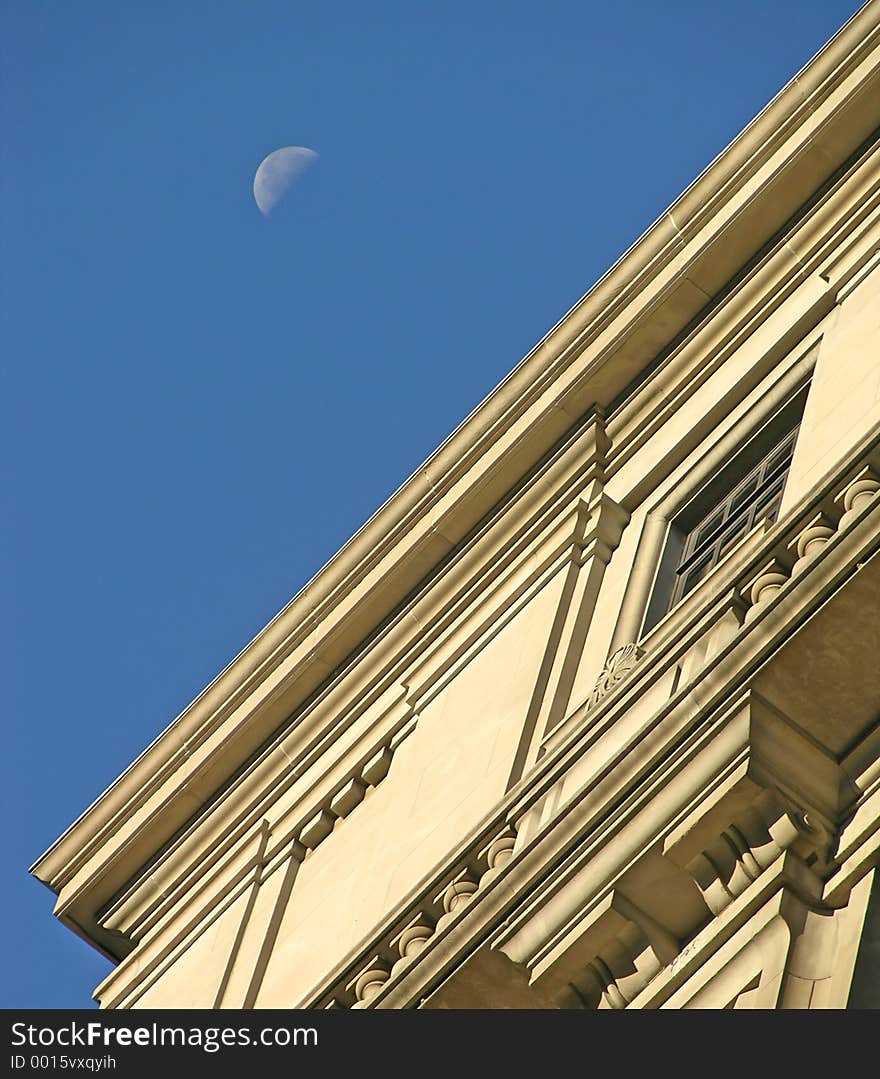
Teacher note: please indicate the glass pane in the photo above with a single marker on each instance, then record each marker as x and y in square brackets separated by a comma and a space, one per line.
[696, 573]
[733, 533]
[755, 497]
[779, 457]
[707, 527]
[767, 503]
[745, 492]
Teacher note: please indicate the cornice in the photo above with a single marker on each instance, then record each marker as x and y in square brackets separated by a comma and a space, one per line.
[656, 289]
[780, 299]
[559, 517]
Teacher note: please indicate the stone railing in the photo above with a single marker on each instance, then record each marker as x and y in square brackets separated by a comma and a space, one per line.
[799, 546]
[427, 920]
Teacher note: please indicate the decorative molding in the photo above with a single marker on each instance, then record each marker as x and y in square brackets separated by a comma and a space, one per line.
[346, 798]
[630, 947]
[627, 964]
[809, 542]
[806, 537]
[740, 854]
[858, 493]
[618, 667]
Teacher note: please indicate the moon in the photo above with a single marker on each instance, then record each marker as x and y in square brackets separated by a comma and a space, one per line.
[277, 174]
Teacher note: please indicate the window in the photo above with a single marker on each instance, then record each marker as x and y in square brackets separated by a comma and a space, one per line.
[756, 498]
[745, 490]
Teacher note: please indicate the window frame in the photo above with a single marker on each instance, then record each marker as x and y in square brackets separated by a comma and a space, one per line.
[777, 427]
[740, 510]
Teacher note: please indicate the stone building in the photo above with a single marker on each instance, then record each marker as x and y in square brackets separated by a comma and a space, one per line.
[588, 714]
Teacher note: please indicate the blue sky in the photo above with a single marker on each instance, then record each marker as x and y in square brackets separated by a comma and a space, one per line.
[202, 404]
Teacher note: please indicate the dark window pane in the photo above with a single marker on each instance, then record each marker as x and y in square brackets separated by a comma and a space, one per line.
[692, 576]
[742, 494]
[708, 527]
[755, 497]
[733, 533]
[780, 456]
[768, 503]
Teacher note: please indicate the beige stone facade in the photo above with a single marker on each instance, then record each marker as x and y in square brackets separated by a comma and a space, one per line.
[588, 714]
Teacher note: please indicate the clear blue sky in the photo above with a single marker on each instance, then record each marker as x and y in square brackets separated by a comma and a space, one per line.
[201, 404]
